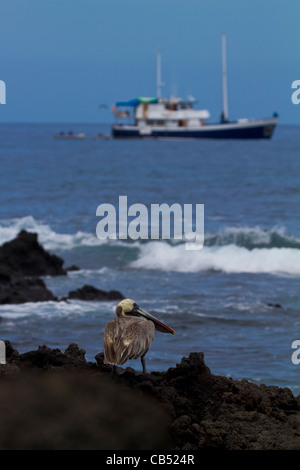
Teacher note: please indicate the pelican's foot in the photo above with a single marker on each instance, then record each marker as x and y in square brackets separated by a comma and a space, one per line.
[116, 371]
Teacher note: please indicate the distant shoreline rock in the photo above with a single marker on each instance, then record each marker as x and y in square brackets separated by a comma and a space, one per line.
[24, 256]
[22, 290]
[23, 260]
[73, 267]
[88, 292]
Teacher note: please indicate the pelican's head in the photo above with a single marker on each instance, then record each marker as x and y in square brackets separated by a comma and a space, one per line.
[129, 308]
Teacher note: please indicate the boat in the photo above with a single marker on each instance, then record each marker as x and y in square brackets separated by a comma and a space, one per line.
[69, 136]
[174, 118]
[101, 136]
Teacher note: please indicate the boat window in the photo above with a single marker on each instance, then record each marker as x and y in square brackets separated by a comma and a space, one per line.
[184, 105]
[171, 106]
[122, 114]
[156, 122]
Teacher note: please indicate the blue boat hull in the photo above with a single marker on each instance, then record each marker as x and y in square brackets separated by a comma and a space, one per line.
[263, 130]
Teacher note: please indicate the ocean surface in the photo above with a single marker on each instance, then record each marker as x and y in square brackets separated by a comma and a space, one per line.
[217, 299]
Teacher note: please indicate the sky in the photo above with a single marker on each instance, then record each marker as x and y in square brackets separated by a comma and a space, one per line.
[62, 59]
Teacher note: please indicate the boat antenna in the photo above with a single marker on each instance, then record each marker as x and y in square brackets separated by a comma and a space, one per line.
[224, 80]
[159, 83]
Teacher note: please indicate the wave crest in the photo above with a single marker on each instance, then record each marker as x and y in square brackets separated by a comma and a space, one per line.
[50, 239]
[253, 237]
[228, 259]
[231, 250]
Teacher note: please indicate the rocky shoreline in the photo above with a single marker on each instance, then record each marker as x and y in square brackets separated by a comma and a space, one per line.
[23, 261]
[51, 399]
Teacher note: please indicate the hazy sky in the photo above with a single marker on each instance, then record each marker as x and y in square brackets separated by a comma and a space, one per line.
[61, 59]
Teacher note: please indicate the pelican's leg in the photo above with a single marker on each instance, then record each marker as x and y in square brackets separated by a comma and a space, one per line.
[144, 364]
[115, 371]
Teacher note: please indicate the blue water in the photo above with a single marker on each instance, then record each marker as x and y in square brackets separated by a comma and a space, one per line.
[216, 298]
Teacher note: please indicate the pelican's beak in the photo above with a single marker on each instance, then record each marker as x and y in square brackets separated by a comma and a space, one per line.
[159, 325]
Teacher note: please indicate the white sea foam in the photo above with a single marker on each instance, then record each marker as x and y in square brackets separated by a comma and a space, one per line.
[241, 236]
[50, 239]
[229, 259]
[231, 250]
[72, 308]
[251, 237]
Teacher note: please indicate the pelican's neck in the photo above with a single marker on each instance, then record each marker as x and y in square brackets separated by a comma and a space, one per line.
[119, 311]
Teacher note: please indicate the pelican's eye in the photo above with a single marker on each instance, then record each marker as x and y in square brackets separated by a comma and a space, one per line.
[135, 305]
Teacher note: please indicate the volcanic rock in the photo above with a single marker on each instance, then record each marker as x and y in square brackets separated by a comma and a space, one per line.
[23, 259]
[92, 293]
[24, 256]
[21, 290]
[189, 407]
[63, 410]
[73, 267]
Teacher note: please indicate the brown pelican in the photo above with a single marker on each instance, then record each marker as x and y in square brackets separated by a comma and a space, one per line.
[130, 335]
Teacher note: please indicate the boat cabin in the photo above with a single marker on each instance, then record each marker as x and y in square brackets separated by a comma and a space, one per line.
[155, 112]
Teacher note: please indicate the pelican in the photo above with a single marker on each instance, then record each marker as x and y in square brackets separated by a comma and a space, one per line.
[130, 335]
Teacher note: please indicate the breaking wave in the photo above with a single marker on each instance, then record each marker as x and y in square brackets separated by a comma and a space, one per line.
[231, 250]
[229, 259]
[253, 237]
[50, 239]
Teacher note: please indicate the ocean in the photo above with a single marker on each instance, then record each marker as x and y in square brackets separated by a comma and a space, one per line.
[237, 299]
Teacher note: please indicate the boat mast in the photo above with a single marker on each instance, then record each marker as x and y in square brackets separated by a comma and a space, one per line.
[159, 83]
[224, 79]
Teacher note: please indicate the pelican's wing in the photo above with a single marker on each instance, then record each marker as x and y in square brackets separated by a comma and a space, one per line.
[110, 342]
[136, 339]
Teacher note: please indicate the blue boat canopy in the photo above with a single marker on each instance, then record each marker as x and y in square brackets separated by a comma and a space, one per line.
[136, 101]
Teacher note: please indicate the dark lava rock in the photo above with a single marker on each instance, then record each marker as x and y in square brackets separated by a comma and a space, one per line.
[23, 259]
[24, 256]
[184, 408]
[21, 290]
[64, 410]
[45, 358]
[11, 353]
[73, 267]
[92, 293]
[74, 352]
